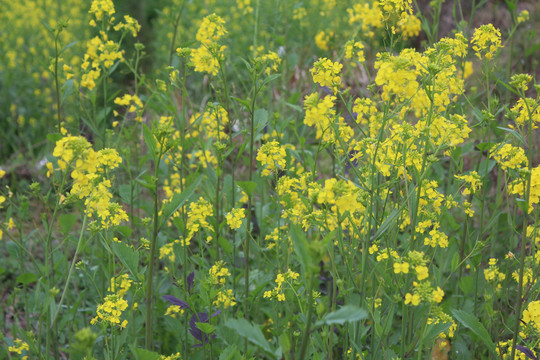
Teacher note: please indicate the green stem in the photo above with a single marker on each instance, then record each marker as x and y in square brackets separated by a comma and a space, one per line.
[83, 226]
[148, 341]
[305, 337]
[523, 234]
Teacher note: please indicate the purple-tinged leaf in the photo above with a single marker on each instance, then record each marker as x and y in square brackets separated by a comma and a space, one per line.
[190, 281]
[528, 353]
[175, 301]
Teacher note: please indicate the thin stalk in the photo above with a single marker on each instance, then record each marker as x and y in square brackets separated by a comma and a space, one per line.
[83, 226]
[305, 337]
[523, 235]
[173, 40]
[56, 84]
[148, 341]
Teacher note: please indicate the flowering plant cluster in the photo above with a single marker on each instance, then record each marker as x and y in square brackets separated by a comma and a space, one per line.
[268, 180]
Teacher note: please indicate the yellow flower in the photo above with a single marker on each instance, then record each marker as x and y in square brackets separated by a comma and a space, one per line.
[18, 346]
[438, 295]
[271, 155]
[412, 299]
[234, 218]
[327, 73]
[422, 272]
[401, 268]
[211, 30]
[486, 41]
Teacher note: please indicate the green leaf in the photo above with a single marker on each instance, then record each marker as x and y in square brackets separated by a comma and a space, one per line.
[126, 231]
[390, 220]
[347, 313]
[523, 205]
[128, 256]
[178, 200]
[205, 327]
[54, 137]
[300, 245]
[270, 79]
[251, 332]
[471, 322]
[532, 49]
[230, 353]
[260, 119]
[27, 278]
[143, 354]
[433, 330]
[247, 186]
[150, 141]
[66, 222]
[125, 193]
[485, 146]
[225, 245]
[246, 103]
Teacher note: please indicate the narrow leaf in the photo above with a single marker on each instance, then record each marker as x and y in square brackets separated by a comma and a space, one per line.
[150, 141]
[176, 301]
[347, 313]
[471, 322]
[178, 200]
[251, 332]
[247, 186]
[127, 256]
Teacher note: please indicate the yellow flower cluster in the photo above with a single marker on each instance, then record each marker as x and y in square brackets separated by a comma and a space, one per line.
[218, 273]
[509, 156]
[18, 347]
[531, 315]
[198, 213]
[89, 167]
[271, 155]
[206, 58]
[132, 103]
[473, 182]
[167, 251]
[518, 187]
[354, 49]
[114, 304]
[173, 311]
[120, 285]
[322, 39]
[244, 6]
[100, 52]
[211, 30]
[225, 299]
[439, 316]
[525, 110]
[486, 41]
[271, 60]
[176, 356]
[234, 218]
[492, 273]
[278, 291]
[210, 124]
[129, 25]
[327, 73]
[111, 310]
[321, 114]
[101, 9]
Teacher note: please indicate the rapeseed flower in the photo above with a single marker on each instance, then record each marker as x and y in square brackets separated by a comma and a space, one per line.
[327, 73]
[271, 155]
[234, 218]
[486, 41]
